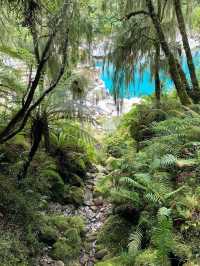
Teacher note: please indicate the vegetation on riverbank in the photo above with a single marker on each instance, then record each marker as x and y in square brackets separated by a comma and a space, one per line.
[153, 185]
[78, 187]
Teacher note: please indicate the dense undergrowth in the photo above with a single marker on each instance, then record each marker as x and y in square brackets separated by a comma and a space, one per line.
[27, 228]
[154, 186]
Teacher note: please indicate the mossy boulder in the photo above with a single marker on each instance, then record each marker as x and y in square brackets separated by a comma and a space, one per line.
[101, 254]
[65, 250]
[74, 195]
[54, 227]
[109, 236]
[57, 189]
[49, 234]
[72, 162]
[75, 180]
[13, 252]
[113, 163]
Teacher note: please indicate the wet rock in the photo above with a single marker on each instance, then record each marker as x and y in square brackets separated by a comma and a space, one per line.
[94, 208]
[96, 194]
[59, 263]
[84, 259]
[98, 201]
[100, 254]
[90, 187]
[88, 196]
[101, 169]
[55, 207]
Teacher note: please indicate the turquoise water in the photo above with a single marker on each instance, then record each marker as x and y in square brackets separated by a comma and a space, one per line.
[143, 85]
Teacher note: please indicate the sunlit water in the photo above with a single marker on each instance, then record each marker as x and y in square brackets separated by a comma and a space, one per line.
[143, 85]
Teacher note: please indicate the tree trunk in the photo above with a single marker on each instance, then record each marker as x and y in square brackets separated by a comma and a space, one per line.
[181, 91]
[156, 74]
[46, 134]
[184, 80]
[191, 67]
[37, 131]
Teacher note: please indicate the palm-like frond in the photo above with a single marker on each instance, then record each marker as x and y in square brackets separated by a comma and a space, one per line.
[135, 241]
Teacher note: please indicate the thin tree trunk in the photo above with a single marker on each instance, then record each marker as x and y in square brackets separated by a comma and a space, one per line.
[157, 76]
[186, 45]
[184, 80]
[46, 134]
[181, 91]
[37, 131]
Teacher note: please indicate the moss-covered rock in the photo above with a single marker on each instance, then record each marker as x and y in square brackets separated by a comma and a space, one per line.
[101, 254]
[115, 233]
[75, 180]
[113, 163]
[65, 250]
[13, 252]
[72, 162]
[55, 226]
[74, 195]
[64, 234]
[49, 234]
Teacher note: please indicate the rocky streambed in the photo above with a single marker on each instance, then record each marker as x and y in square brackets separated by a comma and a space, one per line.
[94, 210]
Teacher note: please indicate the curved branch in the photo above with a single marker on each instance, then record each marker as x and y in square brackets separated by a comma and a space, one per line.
[135, 13]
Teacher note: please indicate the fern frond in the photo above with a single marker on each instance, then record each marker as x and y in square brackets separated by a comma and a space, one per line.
[135, 241]
[168, 160]
[129, 181]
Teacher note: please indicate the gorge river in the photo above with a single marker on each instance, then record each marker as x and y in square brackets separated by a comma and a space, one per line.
[143, 84]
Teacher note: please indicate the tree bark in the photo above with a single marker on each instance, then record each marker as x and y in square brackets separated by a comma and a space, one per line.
[181, 91]
[186, 45]
[46, 134]
[156, 74]
[37, 131]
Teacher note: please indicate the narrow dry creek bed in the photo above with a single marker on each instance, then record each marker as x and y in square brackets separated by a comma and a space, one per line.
[94, 210]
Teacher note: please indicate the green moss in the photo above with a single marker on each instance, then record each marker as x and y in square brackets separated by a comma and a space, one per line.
[147, 258]
[75, 180]
[183, 251]
[13, 252]
[64, 233]
[73, 195]
[49, 234]
[122, 260]
[65, 251]
[114, 234]
[113, 163]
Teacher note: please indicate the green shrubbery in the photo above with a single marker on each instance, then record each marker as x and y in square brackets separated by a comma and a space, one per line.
[57, 176]
[154, 184]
